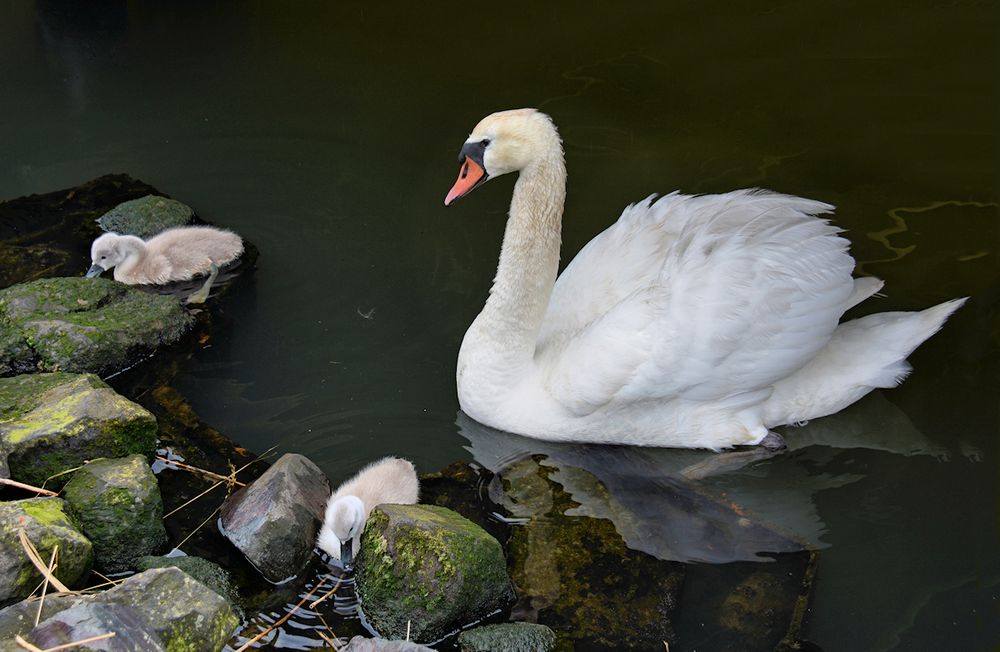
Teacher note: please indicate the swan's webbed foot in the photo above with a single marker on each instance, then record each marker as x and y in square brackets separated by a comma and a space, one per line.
[772, 441]
[202, 294]
[722, 463]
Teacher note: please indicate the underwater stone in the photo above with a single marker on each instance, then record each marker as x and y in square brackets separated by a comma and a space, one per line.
[118, 504]
[431, 567]
[146, 216]
[362, 644]
[185, 614]
[275, 519]
[85, 324]
[208, 573]
[508, 637]
[47, 524]
[88, 619]
[50, 423]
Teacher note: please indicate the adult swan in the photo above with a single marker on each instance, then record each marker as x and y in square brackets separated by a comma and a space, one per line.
[693, 321]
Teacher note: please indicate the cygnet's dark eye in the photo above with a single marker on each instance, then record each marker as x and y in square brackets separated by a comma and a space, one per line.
[484, 142]
[103, 257]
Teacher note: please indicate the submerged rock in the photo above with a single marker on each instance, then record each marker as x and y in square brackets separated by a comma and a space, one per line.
[50, 423]
[118, 505]
[208, 573]
[275, 519]
[362, 644]
[47, 525]
[431, 567]
[84, 324]
[146, 216]
[508, 637]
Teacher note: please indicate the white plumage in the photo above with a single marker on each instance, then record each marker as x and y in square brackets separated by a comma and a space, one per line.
[390, 480]
[177, 254]
[693, 321]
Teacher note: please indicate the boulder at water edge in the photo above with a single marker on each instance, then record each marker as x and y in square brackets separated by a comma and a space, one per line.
[118, 505]
[47, 525]
[362, 644]
[275, 519]
[50, 423]
[508, 637]
[431, 567]
[146, 216]
[208, 573]
[84, 324]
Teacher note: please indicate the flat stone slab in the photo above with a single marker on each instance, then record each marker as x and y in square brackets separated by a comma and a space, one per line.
[50, 423]
[84, 325]
[275, 519]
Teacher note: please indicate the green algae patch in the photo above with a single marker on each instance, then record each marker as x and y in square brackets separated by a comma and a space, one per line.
[118, 505]
[146, 216]
[83, 324]
[50, 423]
[508, 637]
[208, 573]
[431, 567]
[48, 525]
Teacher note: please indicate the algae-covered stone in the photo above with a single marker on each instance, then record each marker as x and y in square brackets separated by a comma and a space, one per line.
[431, 567]
[118, 505]
[85, 324]
[508, 637]
[146, 216]
[185, 614]
[208, 573]
[19, 618]
[362, 644]
[50, 423]
[274, 520]
[88, 619]
[47, 524]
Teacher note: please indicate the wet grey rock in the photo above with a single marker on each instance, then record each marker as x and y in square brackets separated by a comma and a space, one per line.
[84, 324]
[87, 619]
[362, 644]
[508, 637]
[275, 519]
[431, 567]
[146, 216]
[50, 423]
[208, 573]
[19, 618]
[47, 525]
[182, 612]
[118, 505]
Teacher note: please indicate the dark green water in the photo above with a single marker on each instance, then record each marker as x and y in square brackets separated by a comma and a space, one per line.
[326, 133]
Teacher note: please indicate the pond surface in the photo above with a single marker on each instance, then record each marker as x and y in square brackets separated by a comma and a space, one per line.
[326, 133]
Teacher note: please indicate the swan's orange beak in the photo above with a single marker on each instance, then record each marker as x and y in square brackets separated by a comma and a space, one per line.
[471, 175]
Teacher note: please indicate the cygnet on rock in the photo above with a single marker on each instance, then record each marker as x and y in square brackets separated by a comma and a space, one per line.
[390, 480]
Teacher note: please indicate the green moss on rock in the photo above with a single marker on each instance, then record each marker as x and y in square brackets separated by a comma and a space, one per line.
[431, 567]
[146, 216]
[208, 573]
[118, 505]
[508, 637]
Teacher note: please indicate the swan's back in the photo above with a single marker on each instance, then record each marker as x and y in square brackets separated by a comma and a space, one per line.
[192, 250]
[390, 480]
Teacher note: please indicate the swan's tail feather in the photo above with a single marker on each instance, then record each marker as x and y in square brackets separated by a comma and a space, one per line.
[863, 354]
[864, 287]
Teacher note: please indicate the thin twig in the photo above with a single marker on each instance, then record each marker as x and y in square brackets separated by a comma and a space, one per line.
[195, 469]
[45, 584]
[26, 645]
[186, 503]
[332, 639]
[312, 605]
[75, 468]
[27, 487]
[332, 642]
[65, 646]
[281, 621]
[29, 549]
[200, 525]
[107, 579]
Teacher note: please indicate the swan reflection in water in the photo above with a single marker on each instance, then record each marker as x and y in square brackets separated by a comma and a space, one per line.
[700, 506]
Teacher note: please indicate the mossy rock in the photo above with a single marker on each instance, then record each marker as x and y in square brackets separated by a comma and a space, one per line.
[50, 423]
[87, 619]
[118, 505]
[508, 637]
[19, 618]
[208, 573]
[146, 216]
[84, 324]
[185, 614]
[48, 525]
[431, 567]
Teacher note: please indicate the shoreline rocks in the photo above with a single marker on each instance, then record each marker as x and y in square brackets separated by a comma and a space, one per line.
[146, 216]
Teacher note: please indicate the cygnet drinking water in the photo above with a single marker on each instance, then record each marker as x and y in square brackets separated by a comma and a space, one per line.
[390, 480]
[177, 254]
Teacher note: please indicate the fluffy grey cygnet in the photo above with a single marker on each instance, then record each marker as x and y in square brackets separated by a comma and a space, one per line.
[390, 480]
[177, 254]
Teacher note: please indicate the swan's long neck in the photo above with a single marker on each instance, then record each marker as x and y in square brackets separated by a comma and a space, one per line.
[507, 328]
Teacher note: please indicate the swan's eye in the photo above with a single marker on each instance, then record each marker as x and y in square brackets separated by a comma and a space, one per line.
[103, 257]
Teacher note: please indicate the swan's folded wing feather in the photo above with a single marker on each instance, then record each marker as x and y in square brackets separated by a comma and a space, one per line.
[750, 290]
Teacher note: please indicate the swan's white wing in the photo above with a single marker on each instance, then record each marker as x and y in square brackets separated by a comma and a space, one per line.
[750, 288]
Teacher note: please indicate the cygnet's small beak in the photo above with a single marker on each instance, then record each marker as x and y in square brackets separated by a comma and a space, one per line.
[347, 552]
[470, 177]
[95, 270]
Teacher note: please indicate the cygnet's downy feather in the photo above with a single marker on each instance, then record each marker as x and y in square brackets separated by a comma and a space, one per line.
[177, 254]
[390, 480]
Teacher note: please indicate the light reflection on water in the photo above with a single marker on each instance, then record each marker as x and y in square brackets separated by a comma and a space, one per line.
[326, 133]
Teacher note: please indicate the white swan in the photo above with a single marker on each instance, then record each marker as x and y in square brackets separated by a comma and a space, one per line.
[693, 321]
[177, 254]
[390, 480]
